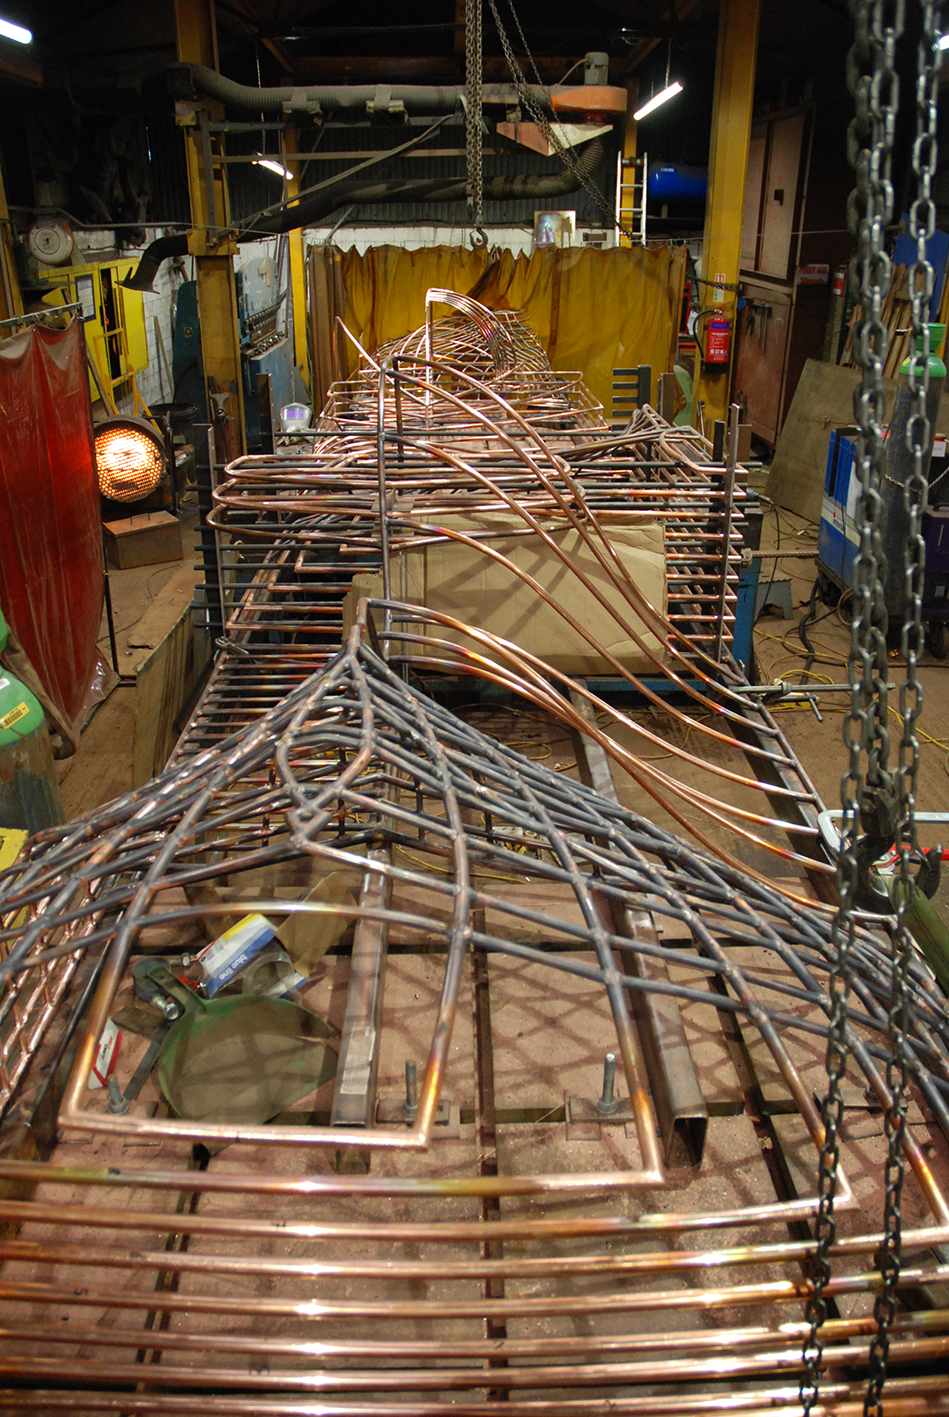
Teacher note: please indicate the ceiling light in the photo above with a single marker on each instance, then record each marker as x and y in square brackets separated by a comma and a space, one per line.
[15, 32]
[130, 458]
[662, 96]
[942, 42]
[271, 166]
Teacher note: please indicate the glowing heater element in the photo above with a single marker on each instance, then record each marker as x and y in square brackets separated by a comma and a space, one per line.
[19, 35]
[272, 166]
[663, 96]
[130, 458]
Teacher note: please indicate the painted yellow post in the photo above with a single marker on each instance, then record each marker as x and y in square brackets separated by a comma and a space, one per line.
[11, 299]
[728, 161]
[626, 177]
[297, 268]
[212, 250]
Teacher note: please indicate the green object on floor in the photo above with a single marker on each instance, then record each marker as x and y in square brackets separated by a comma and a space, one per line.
[240, 1059]
[29, 789]
[927, 928]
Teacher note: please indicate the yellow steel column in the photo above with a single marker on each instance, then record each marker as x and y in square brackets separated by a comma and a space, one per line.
[728, 160]
[212, 249]
[297, 268]
[11, 299]
[626, 177]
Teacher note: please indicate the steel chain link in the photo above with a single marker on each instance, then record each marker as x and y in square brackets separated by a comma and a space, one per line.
[866, 791]
[918, 434]
[540, 118]
[474, 128]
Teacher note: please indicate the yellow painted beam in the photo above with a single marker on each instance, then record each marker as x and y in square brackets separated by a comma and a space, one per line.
[728, 162]
[627, 174]
[301, 356]
[212, 249]
[11, 298]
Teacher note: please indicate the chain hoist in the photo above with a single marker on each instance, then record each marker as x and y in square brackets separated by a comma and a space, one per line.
[872, 81]
[540, 118]
[922, 224]
[474, 123]
[875, 802]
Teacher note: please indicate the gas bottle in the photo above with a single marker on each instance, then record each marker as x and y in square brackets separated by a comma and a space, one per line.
[29, 789]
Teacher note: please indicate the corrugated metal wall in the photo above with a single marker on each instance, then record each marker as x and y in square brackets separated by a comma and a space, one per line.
[252, 188]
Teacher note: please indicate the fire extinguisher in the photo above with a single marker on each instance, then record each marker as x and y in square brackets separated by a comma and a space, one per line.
[717, 342]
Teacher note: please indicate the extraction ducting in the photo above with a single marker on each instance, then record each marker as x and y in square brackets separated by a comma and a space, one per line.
[195, 81]
[311, 209]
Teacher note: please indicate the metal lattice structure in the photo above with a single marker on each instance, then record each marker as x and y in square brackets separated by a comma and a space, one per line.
[256, 1273]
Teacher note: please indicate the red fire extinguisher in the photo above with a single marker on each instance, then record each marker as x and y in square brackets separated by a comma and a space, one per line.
[717, 341]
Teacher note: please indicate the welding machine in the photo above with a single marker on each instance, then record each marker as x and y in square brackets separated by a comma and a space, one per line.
[838, 541]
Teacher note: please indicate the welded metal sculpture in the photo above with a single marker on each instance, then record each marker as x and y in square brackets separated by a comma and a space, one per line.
[255, 1276]
[523, 1226]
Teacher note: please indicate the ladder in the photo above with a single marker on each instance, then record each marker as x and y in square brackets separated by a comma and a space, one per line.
[631, 196]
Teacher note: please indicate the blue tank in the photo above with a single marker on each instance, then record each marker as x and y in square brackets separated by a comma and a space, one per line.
[677, 182]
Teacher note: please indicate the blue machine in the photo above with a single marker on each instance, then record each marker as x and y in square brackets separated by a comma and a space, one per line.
[266, 347]
[838, 541]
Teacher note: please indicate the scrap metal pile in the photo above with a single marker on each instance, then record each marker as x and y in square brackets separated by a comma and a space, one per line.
[516, 1223]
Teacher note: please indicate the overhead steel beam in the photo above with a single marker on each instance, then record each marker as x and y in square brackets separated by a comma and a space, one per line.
[728, 162]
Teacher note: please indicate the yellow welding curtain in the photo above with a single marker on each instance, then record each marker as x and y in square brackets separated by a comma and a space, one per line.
[594, 311]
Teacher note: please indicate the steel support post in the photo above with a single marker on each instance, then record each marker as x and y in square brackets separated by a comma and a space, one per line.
[626, 176]
[11, 300]
[728, 161]
[301, 357]
[208, 242]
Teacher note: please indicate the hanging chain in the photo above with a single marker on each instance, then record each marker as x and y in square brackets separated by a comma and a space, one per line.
[540, 118]
[918, 436]
[474, 129]
[866, 794]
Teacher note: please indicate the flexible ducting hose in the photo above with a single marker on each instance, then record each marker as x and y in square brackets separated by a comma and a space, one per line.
[195, 80]
[311, 209]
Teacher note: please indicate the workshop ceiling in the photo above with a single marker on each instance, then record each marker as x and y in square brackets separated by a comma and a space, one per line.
[95, 43]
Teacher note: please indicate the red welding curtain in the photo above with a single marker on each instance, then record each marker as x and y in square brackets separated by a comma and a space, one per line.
[51, 577]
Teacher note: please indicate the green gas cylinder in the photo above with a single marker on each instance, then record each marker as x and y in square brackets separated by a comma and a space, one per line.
[901, 467]
[937, 370]
[29, 789]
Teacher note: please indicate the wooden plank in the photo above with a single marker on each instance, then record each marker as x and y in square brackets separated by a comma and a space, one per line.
[162, 687]
[823, 400]
[172, 598]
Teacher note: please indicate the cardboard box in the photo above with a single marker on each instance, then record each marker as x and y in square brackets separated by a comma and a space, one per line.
[144, 540]
[466, 583]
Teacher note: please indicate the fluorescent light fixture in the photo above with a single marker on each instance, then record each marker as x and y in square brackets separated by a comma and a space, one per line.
[15, 32]
[662, 96]
[271, 166]
[943, 41]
